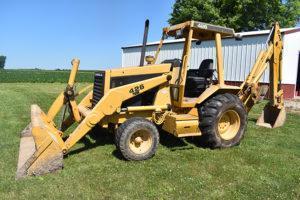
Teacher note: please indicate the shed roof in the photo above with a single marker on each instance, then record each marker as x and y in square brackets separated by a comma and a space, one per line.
[244, 34]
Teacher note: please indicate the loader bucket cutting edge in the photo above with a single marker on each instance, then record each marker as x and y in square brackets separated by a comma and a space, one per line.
[272, 117]
[39, 153]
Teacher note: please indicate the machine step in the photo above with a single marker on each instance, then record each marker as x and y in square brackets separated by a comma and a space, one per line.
[183, 125]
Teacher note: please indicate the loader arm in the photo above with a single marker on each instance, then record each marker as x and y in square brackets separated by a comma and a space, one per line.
[67, 97]
[109, 105]
[42, 146]
[250, 93]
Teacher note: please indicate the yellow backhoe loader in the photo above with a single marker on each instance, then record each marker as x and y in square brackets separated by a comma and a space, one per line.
[137, 102]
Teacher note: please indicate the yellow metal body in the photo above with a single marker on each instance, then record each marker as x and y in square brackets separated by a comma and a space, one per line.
[177, 114]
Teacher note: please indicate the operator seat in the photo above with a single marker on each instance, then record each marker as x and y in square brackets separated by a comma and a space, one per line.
[199, 79]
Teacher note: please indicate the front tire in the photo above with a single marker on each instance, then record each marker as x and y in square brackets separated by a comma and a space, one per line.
[137, 139]
[223, 121]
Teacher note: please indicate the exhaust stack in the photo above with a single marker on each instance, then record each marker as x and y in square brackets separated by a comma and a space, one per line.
[143, 51]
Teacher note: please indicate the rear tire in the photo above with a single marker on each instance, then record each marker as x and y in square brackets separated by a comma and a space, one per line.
[223, 121]
[137, 139]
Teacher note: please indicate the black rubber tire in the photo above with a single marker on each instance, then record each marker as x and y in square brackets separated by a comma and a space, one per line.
[209, 115]
[124, 133]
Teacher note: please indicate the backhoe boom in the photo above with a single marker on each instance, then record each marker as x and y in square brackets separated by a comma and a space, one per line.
[274, 113]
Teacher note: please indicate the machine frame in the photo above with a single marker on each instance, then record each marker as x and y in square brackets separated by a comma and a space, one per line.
[177, 114]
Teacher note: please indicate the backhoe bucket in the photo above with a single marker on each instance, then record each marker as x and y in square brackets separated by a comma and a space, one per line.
[39, 151]
[272, 117]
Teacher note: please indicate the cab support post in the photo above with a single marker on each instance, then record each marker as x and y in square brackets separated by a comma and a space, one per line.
[219, 59]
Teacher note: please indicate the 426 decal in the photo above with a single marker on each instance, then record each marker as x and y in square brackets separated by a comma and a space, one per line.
[136, 90]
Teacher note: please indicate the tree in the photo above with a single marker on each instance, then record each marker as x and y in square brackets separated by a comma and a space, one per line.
[242, 15]
[2, 61]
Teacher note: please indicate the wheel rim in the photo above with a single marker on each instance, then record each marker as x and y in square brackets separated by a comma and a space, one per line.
[140, 142]
[229, 124]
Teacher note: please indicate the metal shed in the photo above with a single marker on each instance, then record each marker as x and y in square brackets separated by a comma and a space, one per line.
[239, 56]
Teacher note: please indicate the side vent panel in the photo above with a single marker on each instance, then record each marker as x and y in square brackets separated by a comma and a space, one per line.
[98, 90]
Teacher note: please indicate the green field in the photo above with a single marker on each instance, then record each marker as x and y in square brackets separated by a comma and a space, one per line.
[42, 76]
[264, 166]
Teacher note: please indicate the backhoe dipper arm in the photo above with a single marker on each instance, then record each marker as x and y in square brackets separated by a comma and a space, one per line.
[249, 92]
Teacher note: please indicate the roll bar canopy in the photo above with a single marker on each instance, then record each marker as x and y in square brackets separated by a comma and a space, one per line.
[201, 30]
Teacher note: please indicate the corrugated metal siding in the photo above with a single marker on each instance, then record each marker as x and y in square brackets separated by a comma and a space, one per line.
[239, 56]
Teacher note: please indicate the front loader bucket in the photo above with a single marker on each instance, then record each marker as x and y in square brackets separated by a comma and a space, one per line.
[272, 117]
[39, 150]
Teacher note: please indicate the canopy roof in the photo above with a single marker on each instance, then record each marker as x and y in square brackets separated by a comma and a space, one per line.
[202, 31]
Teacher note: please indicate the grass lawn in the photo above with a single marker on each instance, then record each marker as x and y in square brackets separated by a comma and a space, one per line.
[265, 165]
[42, 76]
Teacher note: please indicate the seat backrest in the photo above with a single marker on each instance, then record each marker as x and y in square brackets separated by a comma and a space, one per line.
[206, 68]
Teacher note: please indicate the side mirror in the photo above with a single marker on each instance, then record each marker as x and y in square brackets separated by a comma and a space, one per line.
[238, 37]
